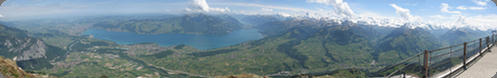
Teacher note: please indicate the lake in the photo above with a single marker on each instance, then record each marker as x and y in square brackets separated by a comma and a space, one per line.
[202, 42]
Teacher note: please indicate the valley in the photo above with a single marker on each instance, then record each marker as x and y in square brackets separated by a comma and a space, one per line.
[280, 48]
[244, 38]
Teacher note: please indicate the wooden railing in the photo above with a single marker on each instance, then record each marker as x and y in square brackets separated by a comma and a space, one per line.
[444, 62]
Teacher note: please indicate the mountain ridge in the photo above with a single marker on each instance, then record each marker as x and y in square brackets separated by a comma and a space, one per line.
[28, 52]
[188, 23]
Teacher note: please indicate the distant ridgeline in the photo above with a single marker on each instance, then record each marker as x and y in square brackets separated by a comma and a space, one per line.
[189, 24]
[304, 46]
[290, 46]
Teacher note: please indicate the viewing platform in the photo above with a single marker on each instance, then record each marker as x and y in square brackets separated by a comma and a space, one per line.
[486, 67]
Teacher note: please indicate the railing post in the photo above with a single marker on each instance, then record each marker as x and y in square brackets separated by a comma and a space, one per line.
[480, 47]
[426, 64]
[488, 44]
[492, 39]
[464, 56]
[487, 41]
[495, 35]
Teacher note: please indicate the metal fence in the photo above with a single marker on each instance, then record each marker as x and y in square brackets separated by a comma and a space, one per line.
[443, 62]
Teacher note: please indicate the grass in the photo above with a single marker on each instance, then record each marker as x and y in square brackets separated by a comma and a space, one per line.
[109, 65]
[8, 68]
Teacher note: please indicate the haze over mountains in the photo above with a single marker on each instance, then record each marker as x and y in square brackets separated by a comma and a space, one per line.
[189, 23]
[342, 45]
[291, 45]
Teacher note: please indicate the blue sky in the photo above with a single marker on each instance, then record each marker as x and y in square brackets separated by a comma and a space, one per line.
[482, 13]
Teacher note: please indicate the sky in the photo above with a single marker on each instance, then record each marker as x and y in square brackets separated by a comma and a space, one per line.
[478, 14]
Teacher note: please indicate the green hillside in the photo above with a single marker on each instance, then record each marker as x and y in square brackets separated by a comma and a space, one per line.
[291, 47]
[303, 48]
[300, 50]
[404, 42]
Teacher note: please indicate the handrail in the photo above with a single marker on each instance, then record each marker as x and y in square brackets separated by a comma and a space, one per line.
[470, 50]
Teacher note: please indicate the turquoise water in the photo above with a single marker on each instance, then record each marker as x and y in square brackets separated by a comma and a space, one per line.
[198, 41]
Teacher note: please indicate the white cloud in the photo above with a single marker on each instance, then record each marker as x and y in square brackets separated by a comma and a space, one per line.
[226, 9]
[470, 8]
[263, 6]
[284, 14]
[372, 18]
[267, 9]
[440, 21]
[202, 6]
[445, 8]
[461, 8]
[481, 3]
[482, 21]
[404, 13]
[481, 6]
[341, 7]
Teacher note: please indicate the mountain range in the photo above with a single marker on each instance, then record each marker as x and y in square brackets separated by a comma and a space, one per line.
[189, 23]
[291, 46]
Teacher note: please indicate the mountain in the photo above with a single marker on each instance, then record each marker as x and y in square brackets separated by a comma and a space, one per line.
[9, 69]
[404, 42]
[307, 46]
[339, 48]
[30, 53]
[257, 20]
[299, 49]
[457, 36]
[189, 23]
[279, 27]
[301, 46]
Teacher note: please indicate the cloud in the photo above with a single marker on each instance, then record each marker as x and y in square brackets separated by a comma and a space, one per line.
[485, 21]
[226, 9]
[284, 14]
[264, 6]
[481, 22]
[481, 3]
[340, 6]
[404, 13]
[470, 8]
[264, 9]
[267, 9]
[445, 8]
[481, 6]
[202, 6]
